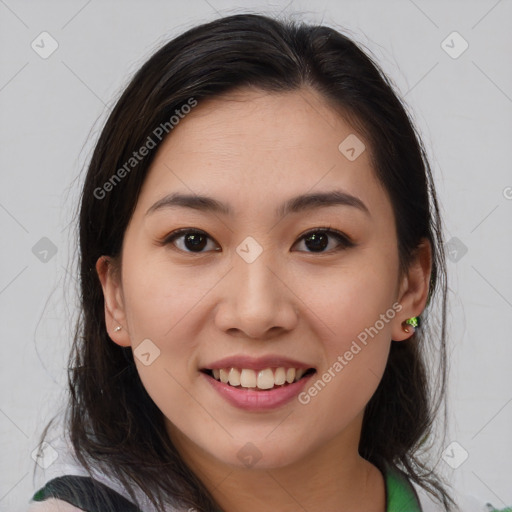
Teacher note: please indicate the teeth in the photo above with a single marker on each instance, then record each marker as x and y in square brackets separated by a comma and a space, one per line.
[280, 376]
[299, 373]
[266, 379]
[263, 379]
[234, 377]
[290, 375]
[248, 378]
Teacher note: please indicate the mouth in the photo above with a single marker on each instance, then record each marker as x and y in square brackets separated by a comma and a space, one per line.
[258, 380]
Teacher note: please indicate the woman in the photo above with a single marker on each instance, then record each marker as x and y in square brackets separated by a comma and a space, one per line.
[259, 232]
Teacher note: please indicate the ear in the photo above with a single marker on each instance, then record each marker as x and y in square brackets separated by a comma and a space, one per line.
[114, 304]
[413, 291]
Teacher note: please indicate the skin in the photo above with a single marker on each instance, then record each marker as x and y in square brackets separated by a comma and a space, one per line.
[253, 150]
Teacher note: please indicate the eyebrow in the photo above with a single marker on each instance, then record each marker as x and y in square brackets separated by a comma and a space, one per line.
[294, 205]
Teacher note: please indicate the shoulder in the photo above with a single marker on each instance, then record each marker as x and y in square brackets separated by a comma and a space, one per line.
[82, 493]
[464, 503]
[67, 486]
[52, 505]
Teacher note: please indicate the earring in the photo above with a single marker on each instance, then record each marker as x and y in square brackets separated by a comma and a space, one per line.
[118, 328]
[414, 322]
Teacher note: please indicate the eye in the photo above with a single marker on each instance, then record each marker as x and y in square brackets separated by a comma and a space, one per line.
[193, 240]
[316, 240]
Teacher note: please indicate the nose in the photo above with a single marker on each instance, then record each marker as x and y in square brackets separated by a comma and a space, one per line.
[256, 300]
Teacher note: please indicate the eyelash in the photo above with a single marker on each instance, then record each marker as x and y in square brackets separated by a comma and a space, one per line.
[344, 241]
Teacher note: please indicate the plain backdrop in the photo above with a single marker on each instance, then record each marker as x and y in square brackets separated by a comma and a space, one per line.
[53, 108]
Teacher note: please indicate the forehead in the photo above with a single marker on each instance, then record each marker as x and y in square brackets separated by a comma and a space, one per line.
[253, 149]
[252, 119]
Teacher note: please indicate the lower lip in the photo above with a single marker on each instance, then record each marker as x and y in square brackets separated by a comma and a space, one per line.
[250, 400]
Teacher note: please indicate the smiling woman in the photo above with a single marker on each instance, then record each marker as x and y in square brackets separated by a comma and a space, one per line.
[275, 245]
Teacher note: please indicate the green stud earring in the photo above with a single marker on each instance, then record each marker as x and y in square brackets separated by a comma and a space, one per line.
[413, 321]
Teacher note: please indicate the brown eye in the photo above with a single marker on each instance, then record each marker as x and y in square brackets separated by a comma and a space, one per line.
[318, 239]
[193, 240]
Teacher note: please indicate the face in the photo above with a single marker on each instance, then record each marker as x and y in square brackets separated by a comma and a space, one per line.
[314, 285]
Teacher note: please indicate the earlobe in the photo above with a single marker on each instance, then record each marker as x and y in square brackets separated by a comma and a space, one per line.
[407, 329]
[115, 318]
[414, 291]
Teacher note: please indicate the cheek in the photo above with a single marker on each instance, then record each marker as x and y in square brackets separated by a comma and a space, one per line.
[159, 305]
[356, 311]
[352, 302]
[160, 298]
[168, 386]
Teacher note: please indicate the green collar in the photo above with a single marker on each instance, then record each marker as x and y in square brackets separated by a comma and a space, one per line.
[400, 494]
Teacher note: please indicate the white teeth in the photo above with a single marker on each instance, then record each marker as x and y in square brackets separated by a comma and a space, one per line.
[263, 379]
[248, 378]
[224, 376]
[266, 379]
[234, 377]
[280, 376]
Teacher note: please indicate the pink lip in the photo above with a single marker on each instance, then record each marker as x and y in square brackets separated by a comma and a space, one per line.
[256, 363]
[250, 400]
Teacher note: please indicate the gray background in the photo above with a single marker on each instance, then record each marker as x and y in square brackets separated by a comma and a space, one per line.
[53, 108]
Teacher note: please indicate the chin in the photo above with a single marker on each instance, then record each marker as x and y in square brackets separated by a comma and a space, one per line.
[260, 455]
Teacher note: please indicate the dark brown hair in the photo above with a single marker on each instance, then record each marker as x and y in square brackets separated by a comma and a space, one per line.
[112, 421]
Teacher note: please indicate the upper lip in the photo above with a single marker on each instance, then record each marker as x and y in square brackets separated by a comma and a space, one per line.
[256, 363]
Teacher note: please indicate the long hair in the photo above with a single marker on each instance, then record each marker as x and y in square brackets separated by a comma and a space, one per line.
[112, 422]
